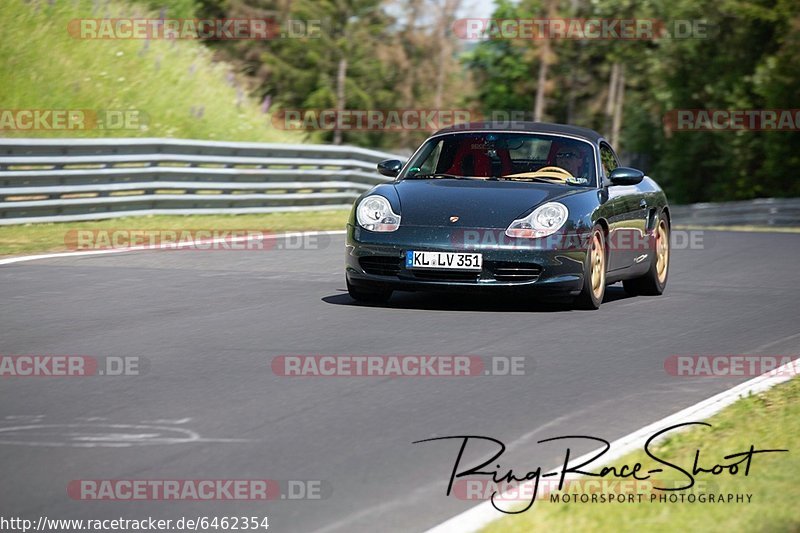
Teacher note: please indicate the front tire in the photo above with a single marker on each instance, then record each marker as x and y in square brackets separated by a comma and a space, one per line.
[368, 296]
[594, 272]
[654, 282]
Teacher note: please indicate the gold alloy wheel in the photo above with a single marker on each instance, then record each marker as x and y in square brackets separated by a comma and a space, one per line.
[597, 260]
[662, 251]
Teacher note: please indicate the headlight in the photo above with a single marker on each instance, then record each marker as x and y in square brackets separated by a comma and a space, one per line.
[545, 220]
[375, 214]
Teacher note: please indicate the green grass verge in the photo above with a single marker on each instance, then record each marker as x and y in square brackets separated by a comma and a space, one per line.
[40, 238]
[769, 420]
[174, 84]
[748, 229]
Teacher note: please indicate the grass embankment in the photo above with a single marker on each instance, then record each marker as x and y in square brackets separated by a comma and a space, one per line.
[174, 85]
[741, 228]
[39, 238]
[769, 421]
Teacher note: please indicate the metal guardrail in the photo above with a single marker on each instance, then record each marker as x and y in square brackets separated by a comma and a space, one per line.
[760, 212]
[52, 180]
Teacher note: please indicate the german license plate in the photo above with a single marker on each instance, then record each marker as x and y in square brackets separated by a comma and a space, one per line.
[443, 260]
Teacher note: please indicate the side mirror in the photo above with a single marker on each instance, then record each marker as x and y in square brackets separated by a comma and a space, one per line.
[390, 167]
[626, 176]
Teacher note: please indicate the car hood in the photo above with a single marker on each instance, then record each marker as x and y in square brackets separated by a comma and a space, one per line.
[476, 203]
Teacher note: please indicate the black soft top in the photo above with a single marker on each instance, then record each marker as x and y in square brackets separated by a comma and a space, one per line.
[527, 127]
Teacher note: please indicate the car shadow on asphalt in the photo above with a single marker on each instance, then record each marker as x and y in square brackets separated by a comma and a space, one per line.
[444, 301]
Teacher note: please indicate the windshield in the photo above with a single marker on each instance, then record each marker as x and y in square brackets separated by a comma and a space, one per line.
[511, 156]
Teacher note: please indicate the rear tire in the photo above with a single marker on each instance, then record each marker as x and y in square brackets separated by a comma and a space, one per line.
[655, 280]
[594, 272]
[368, 296]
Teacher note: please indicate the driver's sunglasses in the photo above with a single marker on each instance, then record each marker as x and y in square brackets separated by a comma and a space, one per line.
[567, 155]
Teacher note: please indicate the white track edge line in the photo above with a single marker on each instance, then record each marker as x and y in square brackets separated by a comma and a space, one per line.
[24, 258]
[481, 515]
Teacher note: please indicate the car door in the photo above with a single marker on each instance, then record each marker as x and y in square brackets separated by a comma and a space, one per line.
[627, 221]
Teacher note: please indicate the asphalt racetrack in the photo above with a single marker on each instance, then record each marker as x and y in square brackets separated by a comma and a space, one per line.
[207, 325]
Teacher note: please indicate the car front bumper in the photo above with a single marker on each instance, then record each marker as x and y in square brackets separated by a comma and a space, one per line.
[377, 261]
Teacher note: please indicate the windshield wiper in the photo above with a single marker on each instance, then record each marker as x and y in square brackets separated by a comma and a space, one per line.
[530, 178]
[539, 178]
[435, 175]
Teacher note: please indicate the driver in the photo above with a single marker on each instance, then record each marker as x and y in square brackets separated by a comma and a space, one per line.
[571, 159]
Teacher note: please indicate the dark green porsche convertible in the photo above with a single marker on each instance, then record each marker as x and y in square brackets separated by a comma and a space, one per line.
[531, 208]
